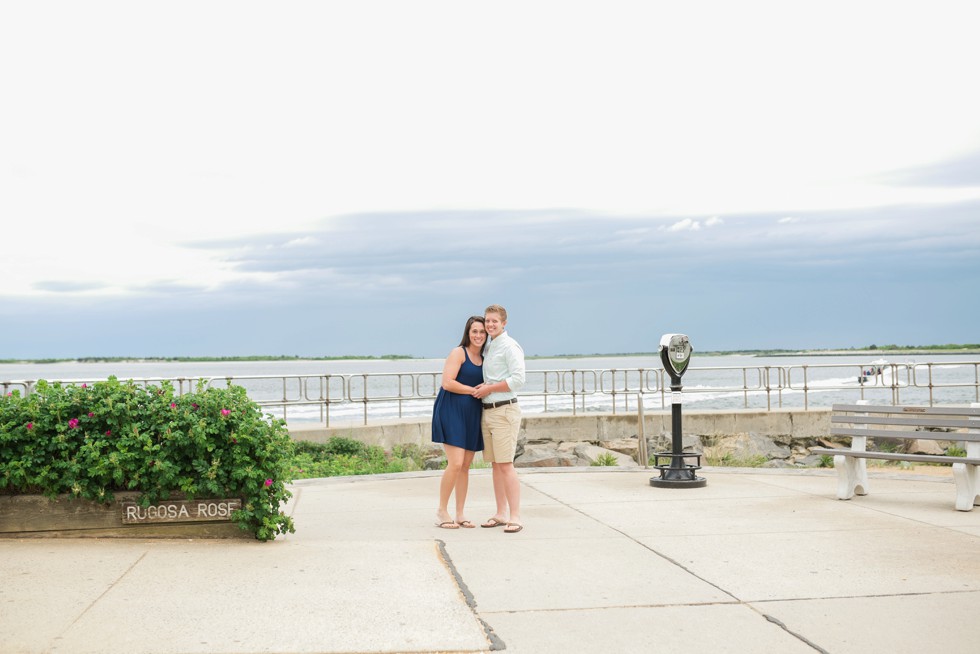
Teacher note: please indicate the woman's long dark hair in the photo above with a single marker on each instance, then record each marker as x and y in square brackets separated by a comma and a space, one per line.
[466, 332]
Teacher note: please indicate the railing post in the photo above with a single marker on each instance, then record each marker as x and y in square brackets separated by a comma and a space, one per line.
[641, 445]
[806, 392]
[768, 394]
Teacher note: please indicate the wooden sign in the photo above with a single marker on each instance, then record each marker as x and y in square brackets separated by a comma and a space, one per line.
[179, 511]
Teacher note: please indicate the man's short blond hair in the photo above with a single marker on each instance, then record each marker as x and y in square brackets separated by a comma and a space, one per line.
[497, 309]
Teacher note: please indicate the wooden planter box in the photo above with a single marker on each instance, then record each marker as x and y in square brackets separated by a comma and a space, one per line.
[36, 516]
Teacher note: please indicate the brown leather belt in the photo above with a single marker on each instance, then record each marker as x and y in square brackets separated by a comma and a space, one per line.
[494, 405]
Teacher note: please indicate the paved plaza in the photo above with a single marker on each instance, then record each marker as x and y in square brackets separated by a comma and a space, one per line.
[757, 561]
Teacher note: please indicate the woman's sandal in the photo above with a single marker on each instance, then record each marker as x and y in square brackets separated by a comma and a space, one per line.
[465, 524]
[448, 524]
[493, 522]
[508, 530]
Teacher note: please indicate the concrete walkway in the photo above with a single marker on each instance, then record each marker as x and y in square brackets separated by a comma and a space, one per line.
[758, 561]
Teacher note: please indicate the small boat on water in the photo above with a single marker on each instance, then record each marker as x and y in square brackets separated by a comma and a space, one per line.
[875, 369]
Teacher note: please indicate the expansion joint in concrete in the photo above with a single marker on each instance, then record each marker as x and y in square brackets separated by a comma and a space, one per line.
[103, 593]
[496, 643]
[794, 634]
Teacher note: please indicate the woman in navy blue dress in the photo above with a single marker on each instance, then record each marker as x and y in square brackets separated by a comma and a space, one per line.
[456, 420]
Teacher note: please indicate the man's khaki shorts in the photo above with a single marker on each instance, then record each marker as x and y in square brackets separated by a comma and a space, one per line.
[501, 427]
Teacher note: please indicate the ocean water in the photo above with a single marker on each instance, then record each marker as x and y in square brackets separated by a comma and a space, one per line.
[352, 391]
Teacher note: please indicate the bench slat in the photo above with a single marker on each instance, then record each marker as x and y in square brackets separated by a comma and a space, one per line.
[906, 410]
[971, 437]
[895, 456]
[960, 423]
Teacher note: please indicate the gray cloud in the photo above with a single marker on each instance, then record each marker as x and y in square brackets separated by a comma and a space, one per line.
[960, 172]
[437, 253]
[573, 282]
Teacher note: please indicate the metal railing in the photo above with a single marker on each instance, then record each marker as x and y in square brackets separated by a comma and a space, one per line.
[377, 396]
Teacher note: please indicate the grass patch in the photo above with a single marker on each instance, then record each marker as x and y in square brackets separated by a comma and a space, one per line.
[730, 461]
[953, 450]
[605, 459]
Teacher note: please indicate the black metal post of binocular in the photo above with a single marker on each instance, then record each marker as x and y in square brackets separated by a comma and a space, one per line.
[675, 353]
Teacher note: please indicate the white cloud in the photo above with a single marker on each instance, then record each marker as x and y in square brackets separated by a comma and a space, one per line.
[298, 242]
[685, 225]
[788, 220]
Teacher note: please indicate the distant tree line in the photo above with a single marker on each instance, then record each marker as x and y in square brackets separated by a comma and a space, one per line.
[257, 357]
[949, 346]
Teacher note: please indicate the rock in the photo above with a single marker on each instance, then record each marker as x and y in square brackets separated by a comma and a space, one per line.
[811, 460]
[435, 463]
[521, 444]
[665, 443]
[744, 447]
[922, 446]
[782, 439]
[572, 453]
[591, 453]
[628, 446]
[778, 463]
[568, 451]
[539, 456]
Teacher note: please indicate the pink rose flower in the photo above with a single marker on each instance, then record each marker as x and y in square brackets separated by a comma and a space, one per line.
[91, 415]
[173, 405]
[73, 423]
[30, 425]
[108, 432]
[225, 412]
[84, 385]
[268, 482]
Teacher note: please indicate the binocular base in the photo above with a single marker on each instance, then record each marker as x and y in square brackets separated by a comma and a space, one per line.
[677, 474]
[694, 482]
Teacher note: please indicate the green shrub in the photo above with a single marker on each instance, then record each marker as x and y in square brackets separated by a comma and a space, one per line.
[342, 456]
[340, 445]
[90, 441]
[408, 451]
[889, 445]
[954, 450]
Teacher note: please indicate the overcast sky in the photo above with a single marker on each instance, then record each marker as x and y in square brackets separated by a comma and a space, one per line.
[331, 178]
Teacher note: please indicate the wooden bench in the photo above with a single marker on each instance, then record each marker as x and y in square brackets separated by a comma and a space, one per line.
[861, 421]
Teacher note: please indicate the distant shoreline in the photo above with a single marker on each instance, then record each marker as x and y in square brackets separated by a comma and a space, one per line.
[386, 357]
[875, 352]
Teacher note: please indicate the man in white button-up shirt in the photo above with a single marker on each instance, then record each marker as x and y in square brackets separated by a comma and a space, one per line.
[503, 376]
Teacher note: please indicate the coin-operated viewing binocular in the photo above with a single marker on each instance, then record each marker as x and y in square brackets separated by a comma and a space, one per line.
[675, 469]
[675, 353]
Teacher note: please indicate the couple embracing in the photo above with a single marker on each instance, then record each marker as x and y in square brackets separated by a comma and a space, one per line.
[476, 409]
